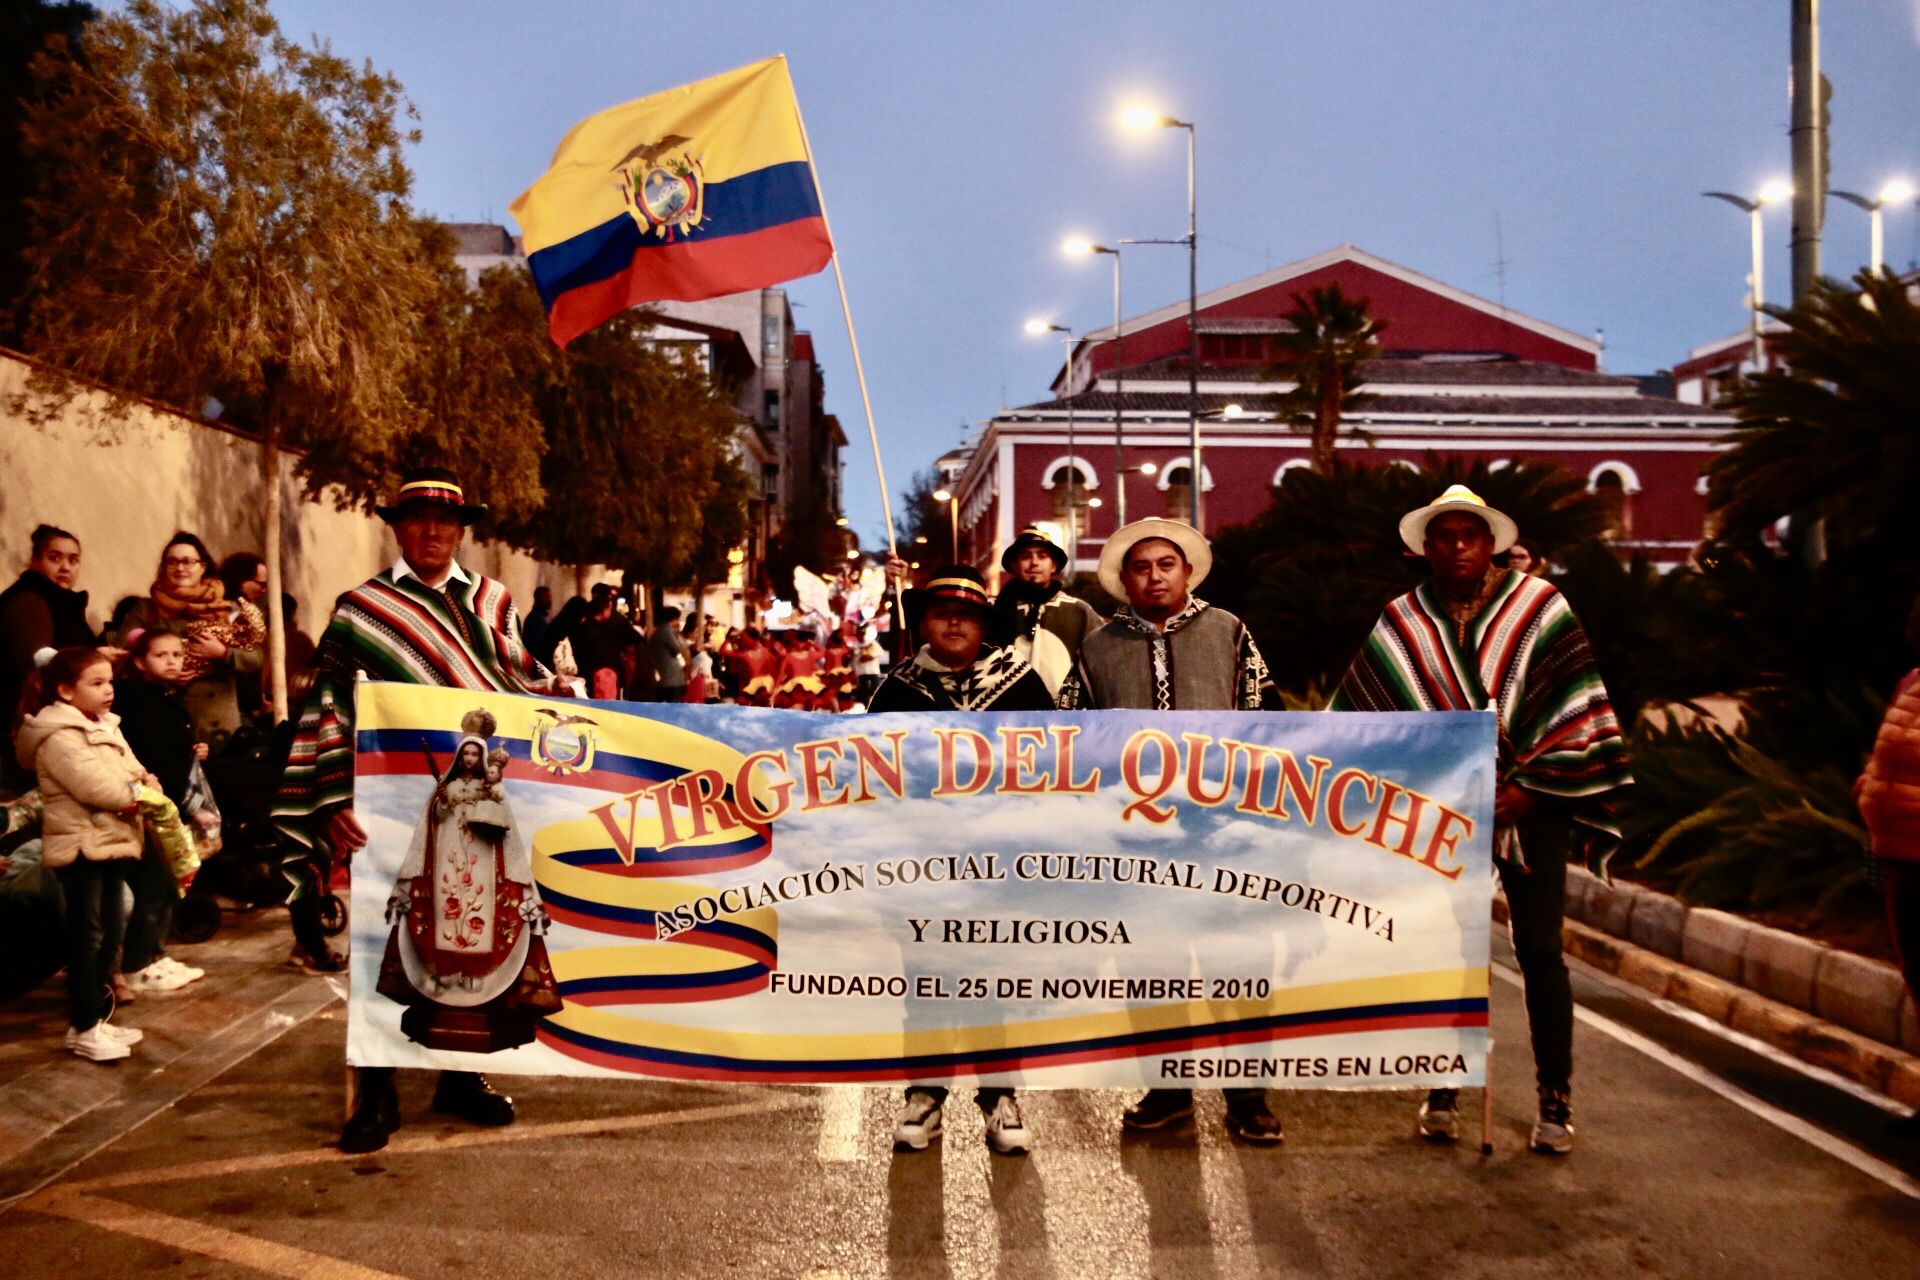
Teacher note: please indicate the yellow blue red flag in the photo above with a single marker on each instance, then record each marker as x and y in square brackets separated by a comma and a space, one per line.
[691, 193]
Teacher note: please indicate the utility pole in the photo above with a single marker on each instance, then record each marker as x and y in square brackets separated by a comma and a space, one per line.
[1809, 134]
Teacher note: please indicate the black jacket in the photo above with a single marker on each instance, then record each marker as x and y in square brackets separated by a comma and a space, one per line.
[36, 612]
[159, 730]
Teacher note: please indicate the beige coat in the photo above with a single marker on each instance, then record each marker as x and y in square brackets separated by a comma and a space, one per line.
[87, 775]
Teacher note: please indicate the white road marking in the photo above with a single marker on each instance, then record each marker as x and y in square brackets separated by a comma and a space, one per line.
[1808, 1133]
[842, 1108]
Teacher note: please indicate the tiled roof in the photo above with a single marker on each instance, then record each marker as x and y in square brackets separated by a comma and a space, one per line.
[1392, 369]
[1628, 409]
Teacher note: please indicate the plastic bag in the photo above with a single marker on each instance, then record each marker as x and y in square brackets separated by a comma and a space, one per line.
[201, 812]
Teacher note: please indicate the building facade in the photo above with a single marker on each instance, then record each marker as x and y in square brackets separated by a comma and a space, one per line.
[1459, 376]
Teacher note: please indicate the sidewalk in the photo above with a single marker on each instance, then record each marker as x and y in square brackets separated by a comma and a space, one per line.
[57, 1109]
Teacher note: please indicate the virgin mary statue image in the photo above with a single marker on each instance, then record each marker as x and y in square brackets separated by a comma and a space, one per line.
[466, 954]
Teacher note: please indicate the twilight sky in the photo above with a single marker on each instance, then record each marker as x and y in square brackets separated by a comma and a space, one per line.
[959, 143]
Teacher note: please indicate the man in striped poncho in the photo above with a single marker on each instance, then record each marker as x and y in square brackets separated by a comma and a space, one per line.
[1478, 637]
[424, 621]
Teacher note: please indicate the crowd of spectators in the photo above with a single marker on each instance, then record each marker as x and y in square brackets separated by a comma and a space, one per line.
[129, 741]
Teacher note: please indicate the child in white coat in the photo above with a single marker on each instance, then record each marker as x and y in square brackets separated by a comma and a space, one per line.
[92, 832]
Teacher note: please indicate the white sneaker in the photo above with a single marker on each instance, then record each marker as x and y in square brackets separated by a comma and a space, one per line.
[125, 1035]
[186, 971]
[97, 1044]
[1553, 1132]
[1440, 1116]
[156, 977]
[1007, 1130]
[918, 1123]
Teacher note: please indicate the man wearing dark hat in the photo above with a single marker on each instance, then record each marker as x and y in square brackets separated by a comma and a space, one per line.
[965, 663]
[1048, 621]
[424, 621]
[1479, 637]
[1169, 650]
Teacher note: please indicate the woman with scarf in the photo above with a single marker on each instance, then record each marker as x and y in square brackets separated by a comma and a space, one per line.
[226, 638]
[966, 662]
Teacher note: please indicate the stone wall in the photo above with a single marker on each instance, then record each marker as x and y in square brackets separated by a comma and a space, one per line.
[123, 487]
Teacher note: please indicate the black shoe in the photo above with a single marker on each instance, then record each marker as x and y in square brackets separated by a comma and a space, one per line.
[467, 1095]
[1158, 1109]
[1255, 1122]
[374, 1120]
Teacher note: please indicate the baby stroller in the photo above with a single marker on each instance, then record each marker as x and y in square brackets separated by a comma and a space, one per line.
[246, 871]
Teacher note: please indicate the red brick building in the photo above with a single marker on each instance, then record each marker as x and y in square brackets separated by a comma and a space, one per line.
[1458, 375]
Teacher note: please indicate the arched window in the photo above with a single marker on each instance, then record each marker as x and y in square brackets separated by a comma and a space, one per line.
[1291, 464]
[1068, 483]
[1176, 481]
[1615, 484]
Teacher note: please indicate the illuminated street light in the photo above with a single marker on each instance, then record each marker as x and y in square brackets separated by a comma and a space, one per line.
[1898, 191]
[842, 522]
[1140, 117]
[1770, 193]
[952, 500]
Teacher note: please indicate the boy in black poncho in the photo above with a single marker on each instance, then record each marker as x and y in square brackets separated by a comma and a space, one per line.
[966, 663]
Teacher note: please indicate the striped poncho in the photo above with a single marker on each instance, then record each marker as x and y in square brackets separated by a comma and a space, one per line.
[1526, 658]
[464, 637]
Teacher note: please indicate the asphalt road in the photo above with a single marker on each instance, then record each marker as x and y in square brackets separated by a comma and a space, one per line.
[1698, 1157]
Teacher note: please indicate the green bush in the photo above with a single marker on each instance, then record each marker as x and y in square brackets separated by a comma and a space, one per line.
[1760, 820]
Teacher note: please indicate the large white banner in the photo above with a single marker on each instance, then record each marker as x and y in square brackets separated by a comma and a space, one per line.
[1067, 899]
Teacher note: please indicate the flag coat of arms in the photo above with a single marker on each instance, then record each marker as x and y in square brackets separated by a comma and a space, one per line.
[692, 193]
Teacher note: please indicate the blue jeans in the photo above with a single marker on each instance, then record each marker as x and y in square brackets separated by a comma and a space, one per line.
[94, 927]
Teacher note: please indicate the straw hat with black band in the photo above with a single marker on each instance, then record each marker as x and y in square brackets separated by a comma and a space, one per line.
[1113, 556]
[432, 489]
[1413, 525]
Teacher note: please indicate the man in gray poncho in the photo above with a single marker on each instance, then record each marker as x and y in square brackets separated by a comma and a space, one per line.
[1168, 650]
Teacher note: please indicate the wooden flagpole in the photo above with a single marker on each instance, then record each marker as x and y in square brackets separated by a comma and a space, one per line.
[853, 340]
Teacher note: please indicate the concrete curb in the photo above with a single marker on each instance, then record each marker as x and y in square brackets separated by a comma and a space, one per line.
[1866, 997]
[1831, 1008]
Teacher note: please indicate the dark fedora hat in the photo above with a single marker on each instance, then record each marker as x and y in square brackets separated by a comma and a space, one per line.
[1044, 534]
[957, 584]
[432, 489]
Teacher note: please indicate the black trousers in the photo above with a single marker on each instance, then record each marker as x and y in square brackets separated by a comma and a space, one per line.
[988, 1099]
[154, 896]
[95, 923]
[1900, 889]
[1536, 910]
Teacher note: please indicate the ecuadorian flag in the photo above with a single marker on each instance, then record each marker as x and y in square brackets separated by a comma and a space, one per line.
[692, 193]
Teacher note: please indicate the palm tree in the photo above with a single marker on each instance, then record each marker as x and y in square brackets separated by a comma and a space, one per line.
[1836, 436]
[1321, 355]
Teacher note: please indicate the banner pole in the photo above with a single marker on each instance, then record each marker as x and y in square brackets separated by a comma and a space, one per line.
[853, 339]
[1486, 1105]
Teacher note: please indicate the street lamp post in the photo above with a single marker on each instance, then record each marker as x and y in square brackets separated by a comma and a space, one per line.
[1895, 192]
[952, 500]
[1769, 194]
[1084, 248]
[1148, 118]
[1038, 327]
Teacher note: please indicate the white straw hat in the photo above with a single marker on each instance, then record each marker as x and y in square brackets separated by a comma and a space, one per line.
[1413, 525]
[1192, 544]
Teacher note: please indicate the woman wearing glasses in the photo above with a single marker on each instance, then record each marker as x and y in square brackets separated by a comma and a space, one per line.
[226, 638]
